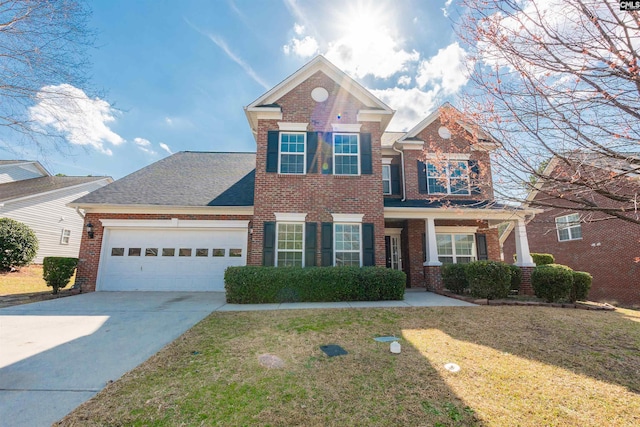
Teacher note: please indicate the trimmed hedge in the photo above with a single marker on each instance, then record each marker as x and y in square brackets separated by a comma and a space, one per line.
[581, 285]
[489, 279]
[539, 259]
[259, 285]
[454, 277]
[552, 282]
[57, 271]
[516, 277]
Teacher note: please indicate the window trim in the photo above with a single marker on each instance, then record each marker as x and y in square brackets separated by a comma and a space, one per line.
[277, 250]
[335, 251]
[568, 226]
[345, 155]
[448, 176]
[304, 153]
[387, 167]
[67, 236]
[454, 255]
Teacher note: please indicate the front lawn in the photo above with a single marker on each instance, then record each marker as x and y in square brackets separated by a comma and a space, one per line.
[25, 281]
[518, 366]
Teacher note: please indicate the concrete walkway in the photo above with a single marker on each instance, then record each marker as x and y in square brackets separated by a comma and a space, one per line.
[57, 354]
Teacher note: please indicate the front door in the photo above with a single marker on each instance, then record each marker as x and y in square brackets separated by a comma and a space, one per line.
[393, 250]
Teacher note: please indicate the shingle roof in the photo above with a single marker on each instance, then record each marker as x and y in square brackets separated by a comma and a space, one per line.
[186, 178]
[446, 203]
[29, 187]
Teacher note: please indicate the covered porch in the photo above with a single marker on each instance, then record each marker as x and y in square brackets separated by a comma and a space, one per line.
[420, 237]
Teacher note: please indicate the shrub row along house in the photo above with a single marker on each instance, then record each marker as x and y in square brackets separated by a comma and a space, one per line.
[31, 195]
[327, 186]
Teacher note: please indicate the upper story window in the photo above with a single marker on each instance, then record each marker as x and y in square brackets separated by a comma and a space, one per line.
[456, 248]
[65, 237]
[346, 154]
[386, 179]
[292, 153]
[290, 244]
[448, 177]
[569, 227]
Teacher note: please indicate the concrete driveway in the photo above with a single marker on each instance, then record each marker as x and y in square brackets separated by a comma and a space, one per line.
[55, 355]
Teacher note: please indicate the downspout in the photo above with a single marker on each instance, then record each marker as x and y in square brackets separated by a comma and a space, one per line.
[404, 192]
[78, 212]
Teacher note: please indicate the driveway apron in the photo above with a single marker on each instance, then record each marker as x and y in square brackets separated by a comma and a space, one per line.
[55, 355]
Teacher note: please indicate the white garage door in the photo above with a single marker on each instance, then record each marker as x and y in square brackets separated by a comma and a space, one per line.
[169, 259]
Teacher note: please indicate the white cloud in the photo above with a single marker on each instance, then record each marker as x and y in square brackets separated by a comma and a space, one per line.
[411, 105]
[168, 120]
[404, 81]
[165, 147]
[370, 50]
[445, 9]
[303, 47]
[144, 145]
[82, 120]
[446, 70]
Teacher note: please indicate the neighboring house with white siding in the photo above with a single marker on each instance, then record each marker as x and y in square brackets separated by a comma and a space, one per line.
[29, 194]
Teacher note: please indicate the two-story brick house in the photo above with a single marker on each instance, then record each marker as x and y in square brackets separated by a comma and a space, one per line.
[327, 186]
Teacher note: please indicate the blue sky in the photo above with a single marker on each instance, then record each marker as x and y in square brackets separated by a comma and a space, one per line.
[175, 75]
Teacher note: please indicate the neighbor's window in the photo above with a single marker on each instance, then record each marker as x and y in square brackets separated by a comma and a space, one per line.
[448, 177]
[569, 227]
[64, 238]
[290, 244]
[292, 153]
[347, 244]
[386, 179]
[456, 248]
[346, 154]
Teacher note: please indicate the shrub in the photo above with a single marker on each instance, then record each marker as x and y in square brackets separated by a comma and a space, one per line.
[539, 259]
[255, 285]
[18, 244]
[516, 277]
[552, 282]
[454, 277]
[57, 271]
[489, 279]
[543, 259]
[581, 285]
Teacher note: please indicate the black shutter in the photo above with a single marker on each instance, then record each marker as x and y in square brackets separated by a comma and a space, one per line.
[368, 245]
[273, 139]
[395, 179]
[387, 250]
[481, 247]
[422, 177]
[327, 244]
[312, 152]
[269, 244]
[310, 243]
[327, 154]
[365, 154]
[474, 177]
[424, 247]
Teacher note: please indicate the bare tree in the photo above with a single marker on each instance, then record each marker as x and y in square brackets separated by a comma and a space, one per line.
[557, 79]
[43, 46]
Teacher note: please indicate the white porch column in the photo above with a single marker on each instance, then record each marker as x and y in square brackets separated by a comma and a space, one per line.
[522, 245]
[432, 246]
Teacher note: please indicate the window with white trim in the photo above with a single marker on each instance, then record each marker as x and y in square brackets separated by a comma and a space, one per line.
[448, 177]
[386, 179]
[290, 244]
[569, 227]
[65, 237]
[346, 154]
[292, 157]
[456, 248]
[347, 244]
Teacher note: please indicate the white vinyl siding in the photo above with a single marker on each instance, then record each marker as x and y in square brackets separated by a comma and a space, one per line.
[569, 227]
[48, 214]
[19, 172]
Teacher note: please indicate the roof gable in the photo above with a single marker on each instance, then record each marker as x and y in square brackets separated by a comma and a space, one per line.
[266, 102]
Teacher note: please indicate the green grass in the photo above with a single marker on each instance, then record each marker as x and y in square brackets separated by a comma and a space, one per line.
[519, 366]
[27, 280]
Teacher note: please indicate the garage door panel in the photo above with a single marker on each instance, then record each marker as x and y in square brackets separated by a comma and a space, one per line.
[169, 273]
